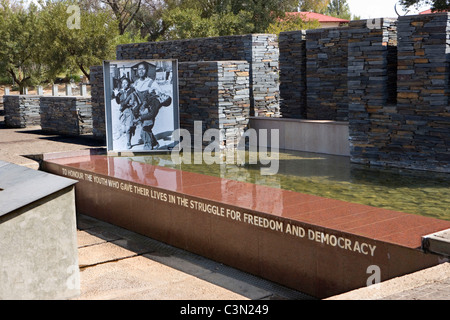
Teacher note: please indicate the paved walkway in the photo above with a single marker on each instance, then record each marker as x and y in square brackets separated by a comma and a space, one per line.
[119, 264]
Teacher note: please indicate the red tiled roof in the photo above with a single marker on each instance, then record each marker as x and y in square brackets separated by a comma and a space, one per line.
[317, 16]
[429, 11]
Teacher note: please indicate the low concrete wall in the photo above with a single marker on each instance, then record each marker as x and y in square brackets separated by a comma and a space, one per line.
[319, 136]
[38, 245]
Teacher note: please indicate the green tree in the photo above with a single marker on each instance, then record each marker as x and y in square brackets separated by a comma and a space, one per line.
[76, 49]
[186, 24]
[263, 12]
[436, 5]
[148, 20]
[21, 52]
[221, 17]
[291, 23]
[137, 18]
[317, 6]
[339, 9]
[124, 11]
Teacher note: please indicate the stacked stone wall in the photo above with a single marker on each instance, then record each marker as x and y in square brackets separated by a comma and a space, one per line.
[292, 46]
[387, 77]
[420, 136]
[371, 89]
[21, 111]
[97, 102]
[259, 50]
[217, 94]
[413, 132]
[326, 73]
[314, 69]
[66, 115]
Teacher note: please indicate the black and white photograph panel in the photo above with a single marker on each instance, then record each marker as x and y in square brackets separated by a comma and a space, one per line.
[141, 104]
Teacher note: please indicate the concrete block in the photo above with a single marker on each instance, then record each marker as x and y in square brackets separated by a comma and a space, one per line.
[38, 246]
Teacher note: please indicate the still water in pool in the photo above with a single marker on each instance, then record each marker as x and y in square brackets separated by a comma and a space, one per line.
[416, 192]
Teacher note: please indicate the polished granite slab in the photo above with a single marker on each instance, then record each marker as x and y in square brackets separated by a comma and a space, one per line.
[316, 245]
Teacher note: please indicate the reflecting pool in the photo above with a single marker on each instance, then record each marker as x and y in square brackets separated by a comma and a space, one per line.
[416, 192]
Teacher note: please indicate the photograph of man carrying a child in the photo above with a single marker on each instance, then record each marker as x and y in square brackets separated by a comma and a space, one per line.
[143, 115]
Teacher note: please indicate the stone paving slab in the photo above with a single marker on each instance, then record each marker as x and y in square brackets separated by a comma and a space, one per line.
[17, 143]
[429, 284]
[118, 264]
[139, 278]
[433, 291]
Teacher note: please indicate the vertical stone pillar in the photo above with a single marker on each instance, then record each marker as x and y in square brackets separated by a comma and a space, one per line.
[371, 71]
[264, 78]
[83, 90]
[39, 90]
[68, 89]
[217, 94]
[55, 92]
[326, 67]
[423, 69]
[98, 102]
[423, 91]
[292, 46]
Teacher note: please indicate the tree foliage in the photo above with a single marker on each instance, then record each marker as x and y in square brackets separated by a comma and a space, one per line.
[339, 9]
[21, 53]
[221, 17]
[76, 49]
[317, 6]
[436, 5]
[38, 43]
[292, 22]
[124, 11]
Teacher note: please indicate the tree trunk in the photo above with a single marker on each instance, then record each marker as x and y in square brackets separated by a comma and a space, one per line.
[20, 83]
[88, 76]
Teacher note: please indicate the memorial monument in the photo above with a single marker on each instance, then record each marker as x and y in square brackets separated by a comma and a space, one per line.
[314, 244]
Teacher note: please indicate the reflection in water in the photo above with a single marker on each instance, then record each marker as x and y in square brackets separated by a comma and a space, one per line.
[423, 193]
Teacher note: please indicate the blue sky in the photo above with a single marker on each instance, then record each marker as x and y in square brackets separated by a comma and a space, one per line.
[377, 8]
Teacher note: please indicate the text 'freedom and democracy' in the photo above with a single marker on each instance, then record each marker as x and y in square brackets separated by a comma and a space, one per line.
[321, 237]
